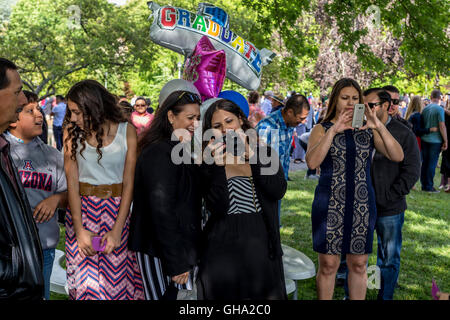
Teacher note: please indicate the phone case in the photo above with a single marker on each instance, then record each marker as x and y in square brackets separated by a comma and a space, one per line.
[96, 244]
[358, 115]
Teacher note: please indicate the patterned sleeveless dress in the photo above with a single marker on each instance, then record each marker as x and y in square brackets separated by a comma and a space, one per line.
[114, 276]
[344, 209]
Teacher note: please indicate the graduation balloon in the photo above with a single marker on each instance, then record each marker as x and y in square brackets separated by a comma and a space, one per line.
[206, 68]
[180, 30]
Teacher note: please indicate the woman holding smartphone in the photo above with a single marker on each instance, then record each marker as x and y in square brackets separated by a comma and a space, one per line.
[242, 256]
[344, 210]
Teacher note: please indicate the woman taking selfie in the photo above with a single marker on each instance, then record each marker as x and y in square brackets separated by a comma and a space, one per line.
[166, 217]
[242, 251]
[140, 118]
[344, 210]
[99, 161]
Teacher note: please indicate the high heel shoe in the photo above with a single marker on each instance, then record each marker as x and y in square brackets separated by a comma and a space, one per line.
[434, 290]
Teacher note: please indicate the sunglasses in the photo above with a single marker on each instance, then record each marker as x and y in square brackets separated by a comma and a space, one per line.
[374, 104]
[193, 98]
[140, 105]
[395, 101]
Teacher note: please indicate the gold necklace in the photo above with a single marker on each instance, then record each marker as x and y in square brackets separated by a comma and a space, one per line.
[253, 193]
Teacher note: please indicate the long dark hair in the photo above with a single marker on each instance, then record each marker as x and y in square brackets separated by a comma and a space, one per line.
[337, 87]
[97, 105]
[161, 129]
[225, 105]
[31, 96]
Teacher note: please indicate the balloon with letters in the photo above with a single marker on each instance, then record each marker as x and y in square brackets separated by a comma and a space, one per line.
[206, 68]
[180, 30]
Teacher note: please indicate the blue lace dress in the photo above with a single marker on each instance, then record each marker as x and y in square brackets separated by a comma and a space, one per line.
[344, 209]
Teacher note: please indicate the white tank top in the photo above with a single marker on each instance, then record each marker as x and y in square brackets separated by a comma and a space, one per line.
[112, 163]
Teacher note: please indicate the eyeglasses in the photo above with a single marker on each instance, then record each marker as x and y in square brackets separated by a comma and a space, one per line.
[374, 104]
[140, 105]
[395, 101]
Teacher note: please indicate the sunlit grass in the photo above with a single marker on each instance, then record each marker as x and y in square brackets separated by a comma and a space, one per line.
[426, 245]
[426, 233]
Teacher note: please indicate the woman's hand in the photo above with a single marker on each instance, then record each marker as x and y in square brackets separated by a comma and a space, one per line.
[342, 122]
[249, 151]
[181, 278]
[217, 149]
[112, 239]
[372, 120]
[84, 240]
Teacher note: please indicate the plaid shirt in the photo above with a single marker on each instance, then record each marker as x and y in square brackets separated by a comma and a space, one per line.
[273, 131]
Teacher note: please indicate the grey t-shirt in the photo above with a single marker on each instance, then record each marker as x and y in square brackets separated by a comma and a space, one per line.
[41, 169]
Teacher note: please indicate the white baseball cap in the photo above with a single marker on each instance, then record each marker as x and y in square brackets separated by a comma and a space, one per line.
[268, 93]
[176, 85]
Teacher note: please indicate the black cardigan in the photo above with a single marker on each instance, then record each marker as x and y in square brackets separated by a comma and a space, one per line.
[269, 189]
[391, 180]
[166, 217]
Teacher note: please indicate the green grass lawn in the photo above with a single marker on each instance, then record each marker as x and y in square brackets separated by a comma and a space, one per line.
[426, 233]
[426, 246]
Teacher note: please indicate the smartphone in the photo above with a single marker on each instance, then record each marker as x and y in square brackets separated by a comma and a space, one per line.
[358, 115]
[96, 244]
[235, 141]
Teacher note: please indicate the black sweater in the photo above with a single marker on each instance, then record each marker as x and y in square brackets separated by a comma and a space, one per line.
[392, 181]
[269, 189]
[166, 217]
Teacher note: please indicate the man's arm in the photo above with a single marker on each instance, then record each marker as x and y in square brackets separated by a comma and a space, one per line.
[443, 131]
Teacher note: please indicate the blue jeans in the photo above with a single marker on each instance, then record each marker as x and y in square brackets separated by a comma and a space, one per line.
[58, 134]
[49, 257]
[389, 232]
[430, 156]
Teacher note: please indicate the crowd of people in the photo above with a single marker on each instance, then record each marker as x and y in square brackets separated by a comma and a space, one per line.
[143, 223]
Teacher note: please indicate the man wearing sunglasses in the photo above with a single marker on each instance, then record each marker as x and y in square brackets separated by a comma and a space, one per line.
[392, 181]
[395, 101]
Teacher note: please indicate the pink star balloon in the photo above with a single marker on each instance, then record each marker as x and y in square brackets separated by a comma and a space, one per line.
[206, 68]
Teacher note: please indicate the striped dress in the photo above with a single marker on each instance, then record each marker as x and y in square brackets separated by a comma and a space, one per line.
[239, 189]
[236, 263]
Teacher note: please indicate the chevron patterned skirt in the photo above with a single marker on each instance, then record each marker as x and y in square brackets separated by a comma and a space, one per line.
[114, 276]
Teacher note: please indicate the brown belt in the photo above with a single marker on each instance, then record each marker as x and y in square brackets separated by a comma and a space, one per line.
[103, 191]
